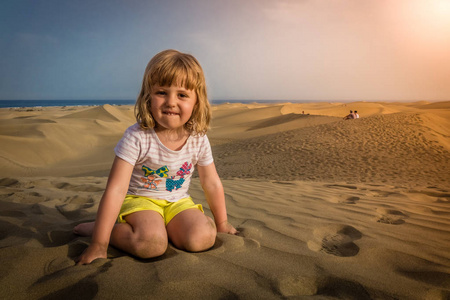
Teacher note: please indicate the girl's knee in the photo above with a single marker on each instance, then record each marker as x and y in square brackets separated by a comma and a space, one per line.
[201, 239]
[152, 245]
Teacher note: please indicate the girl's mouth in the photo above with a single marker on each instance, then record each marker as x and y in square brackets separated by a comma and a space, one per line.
[170, 113]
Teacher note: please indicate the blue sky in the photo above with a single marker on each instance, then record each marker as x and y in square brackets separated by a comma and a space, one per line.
[390, 50]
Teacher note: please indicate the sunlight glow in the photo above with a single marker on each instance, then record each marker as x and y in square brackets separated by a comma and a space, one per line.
[437, 13]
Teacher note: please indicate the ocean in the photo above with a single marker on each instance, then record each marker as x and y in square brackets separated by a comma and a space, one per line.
[42, 103]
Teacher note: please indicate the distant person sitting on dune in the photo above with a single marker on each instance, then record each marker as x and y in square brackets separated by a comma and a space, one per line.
[356, 115]
[351, 115]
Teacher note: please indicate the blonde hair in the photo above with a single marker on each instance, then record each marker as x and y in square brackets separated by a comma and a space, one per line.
[171, 67]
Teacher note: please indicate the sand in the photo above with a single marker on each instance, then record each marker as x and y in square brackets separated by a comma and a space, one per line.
[326, 208]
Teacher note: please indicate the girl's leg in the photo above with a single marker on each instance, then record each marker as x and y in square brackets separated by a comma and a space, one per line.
[192, 230]
[143, 235]
[84, 229]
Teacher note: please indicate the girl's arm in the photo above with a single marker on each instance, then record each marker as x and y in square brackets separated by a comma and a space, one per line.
[212, 186]
[108, 210]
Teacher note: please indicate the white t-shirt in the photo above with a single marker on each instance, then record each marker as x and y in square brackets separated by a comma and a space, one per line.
[159, 172]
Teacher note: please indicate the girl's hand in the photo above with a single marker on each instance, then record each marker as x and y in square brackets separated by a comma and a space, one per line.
[91, 253]
[226, 227]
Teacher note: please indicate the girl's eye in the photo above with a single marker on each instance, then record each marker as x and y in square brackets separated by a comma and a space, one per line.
[183, 95]
[160, 93]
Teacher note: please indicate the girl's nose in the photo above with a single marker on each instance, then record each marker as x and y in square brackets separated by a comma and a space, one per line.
[171, 99]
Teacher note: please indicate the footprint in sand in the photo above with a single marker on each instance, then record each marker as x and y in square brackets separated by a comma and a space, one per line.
[7, 182]
[343, 199]
[76, 211]
[246, 240]
[335, 240]
[234, 243]
[58, 264]
[345, 186]
[77, 188]
[320, 285]
[390, 216]
[55, 238]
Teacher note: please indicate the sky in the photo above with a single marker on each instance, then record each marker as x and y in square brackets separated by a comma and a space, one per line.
[319, 50]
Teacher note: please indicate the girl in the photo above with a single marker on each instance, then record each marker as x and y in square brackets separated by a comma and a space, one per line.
[149, 180]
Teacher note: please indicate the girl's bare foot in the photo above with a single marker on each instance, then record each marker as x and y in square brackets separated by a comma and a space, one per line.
[84, 229]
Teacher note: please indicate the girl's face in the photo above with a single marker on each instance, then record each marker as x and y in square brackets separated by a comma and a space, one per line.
[171, 107]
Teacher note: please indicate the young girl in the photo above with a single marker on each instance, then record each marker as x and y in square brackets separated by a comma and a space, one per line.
[147, 189]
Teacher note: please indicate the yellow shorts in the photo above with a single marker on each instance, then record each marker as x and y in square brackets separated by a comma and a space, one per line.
[166, 209]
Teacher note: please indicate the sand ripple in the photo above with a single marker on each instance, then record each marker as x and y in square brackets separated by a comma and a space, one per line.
[326, 208]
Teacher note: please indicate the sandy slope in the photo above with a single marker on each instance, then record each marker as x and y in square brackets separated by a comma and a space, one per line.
[327, 208]
[69, 141]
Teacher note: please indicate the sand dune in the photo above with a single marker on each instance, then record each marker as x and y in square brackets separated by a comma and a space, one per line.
[68, 142]
[399, 148]
[106, 113]
[326, 208]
